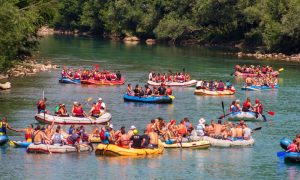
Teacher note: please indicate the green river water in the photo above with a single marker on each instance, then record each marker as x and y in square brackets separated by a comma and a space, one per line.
[135, 62]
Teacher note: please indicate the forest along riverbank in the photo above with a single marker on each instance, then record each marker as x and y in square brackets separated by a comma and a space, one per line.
[27, 67]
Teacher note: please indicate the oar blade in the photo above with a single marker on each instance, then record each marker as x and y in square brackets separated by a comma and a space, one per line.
[281, 69]
[172, 97]
[272, 113]
[281, 154]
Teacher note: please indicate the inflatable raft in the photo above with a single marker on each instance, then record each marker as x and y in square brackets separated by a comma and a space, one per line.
[43, 148]
[237, 73]
[21, 144]
[114, 150]
[104, 82]
[183, 84]
[205, 92]
[3, 139]
[148, 99]
[103, 119]
[228, 143]
[246, 116]
[195, 145]
[293, 157]
[260, 88]
[69, 81]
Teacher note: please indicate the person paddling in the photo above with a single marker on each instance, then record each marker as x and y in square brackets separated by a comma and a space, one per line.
[247, 105]
[258, 109]
[41, 105]
[28, 133]
[4, 126]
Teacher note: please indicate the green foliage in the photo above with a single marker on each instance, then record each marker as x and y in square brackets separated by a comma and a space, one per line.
[19, 22]
[273, 24]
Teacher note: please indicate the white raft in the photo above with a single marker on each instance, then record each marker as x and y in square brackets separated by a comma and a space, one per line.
[228, 143]
[195, 145]
[103, 119]
[43, 148]
[187, 84]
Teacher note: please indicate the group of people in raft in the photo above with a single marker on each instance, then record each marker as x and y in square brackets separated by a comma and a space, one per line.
[78, 135]
[98, 108]
[90, 74]
[169, 77]
[257, 108]
[138, 90]
[295, 145]
[267, 80]
[214, 85]
[254, 69]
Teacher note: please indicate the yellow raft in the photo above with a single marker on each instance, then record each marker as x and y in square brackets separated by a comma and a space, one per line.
[194, 145]
[114, 150]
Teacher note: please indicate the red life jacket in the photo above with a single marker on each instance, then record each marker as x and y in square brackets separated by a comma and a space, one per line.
[96, 109]
[78, 111]
[76, 76]
[169, 91]
[259, 109]
[28, 134]
[246, 105]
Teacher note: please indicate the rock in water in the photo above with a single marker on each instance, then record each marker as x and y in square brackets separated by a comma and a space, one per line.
[4, 86]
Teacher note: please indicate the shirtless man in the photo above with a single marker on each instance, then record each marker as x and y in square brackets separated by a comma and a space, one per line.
[218, 129]
[249, 81]
[39, 136]
[169, 136]
[232, 132]
[153, 140]
[239, 132]
[49, 131]
[211, 128]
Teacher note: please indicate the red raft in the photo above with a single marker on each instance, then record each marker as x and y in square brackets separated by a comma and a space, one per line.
[237, 73]
[103, 82]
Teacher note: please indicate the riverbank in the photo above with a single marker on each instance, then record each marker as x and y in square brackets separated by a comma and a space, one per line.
[271, 56]
[27, 67]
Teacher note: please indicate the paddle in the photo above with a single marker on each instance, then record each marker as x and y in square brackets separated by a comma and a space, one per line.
[172, 97]
[281, 154]
[281, 69]
[223, 108]
[11, 143]
[222, 116]
[256, 129]
[232, 73]
[272, 113]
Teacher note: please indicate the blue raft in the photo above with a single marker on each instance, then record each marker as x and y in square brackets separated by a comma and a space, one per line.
[148, 99]
[259, 88]
[293, 157]
[3, 139]
[69, 81]
[21, 144]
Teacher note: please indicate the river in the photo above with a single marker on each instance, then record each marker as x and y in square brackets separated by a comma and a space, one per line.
[257, 162]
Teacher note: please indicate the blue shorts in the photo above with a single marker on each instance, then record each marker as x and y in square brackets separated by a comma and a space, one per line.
[170, 141]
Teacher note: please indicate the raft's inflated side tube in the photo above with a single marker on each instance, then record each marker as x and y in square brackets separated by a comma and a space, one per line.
[285, 142]
[3, 139]
[293, 157]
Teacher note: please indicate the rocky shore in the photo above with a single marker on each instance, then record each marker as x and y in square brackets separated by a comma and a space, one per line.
[25, 68]
[272, 56]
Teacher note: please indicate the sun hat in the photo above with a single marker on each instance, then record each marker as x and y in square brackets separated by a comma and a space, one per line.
[132, 127]
[201, 121]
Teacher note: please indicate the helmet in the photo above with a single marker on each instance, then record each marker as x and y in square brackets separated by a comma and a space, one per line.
[135, 131]
[256, 100]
